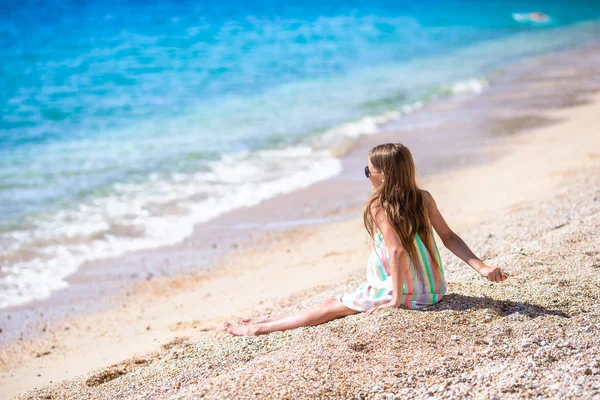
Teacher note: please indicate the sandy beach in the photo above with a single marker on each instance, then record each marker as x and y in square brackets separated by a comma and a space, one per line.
[525, 195]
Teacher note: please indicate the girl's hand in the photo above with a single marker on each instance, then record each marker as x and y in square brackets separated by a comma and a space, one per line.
[390, 304]
[493, 274]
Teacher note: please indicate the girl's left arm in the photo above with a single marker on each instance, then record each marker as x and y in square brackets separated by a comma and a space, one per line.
[456, 245]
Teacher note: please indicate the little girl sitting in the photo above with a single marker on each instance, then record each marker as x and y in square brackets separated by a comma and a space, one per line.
[404, 269]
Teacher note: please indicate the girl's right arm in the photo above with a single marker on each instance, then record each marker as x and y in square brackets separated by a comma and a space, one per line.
[456, 245]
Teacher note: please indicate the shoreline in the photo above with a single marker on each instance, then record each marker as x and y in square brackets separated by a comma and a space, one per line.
[468, 161]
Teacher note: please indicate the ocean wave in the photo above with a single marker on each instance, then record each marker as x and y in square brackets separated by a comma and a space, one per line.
[372, 124]
[157, 212]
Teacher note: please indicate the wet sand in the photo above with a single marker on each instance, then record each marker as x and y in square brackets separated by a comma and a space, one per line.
[510, 146]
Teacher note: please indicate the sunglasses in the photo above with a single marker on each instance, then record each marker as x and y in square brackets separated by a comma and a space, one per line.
[368, 172]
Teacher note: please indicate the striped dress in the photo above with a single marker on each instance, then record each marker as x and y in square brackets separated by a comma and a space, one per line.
[417, 293]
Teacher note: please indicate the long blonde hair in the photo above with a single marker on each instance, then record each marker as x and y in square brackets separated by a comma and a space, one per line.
[401, 200]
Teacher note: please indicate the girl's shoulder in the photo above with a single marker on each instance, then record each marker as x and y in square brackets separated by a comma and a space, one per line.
[425, 194]
[427, 197]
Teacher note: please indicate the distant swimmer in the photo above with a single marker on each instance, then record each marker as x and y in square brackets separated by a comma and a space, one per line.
[539, 16]
[536, 17]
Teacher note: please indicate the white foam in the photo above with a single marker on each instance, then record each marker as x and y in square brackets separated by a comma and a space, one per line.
[468, 86]
[62, 242]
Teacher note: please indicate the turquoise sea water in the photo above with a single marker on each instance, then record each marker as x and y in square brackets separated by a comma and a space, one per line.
[124, 123]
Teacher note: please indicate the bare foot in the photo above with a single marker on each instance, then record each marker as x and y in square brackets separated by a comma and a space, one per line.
[241, 330]
[245, 321]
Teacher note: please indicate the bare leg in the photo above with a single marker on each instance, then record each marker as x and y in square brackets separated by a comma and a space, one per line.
[329, 310]
[246, 321]
[250, 321]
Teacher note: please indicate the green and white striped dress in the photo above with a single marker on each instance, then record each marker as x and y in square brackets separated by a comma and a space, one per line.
[417, 293]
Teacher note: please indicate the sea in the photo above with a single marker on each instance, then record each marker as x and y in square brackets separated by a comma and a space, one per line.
[125, 123]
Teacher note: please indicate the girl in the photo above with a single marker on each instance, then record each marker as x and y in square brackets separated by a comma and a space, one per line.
[404, 269]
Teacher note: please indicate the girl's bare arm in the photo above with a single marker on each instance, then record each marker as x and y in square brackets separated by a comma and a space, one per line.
[456, 245]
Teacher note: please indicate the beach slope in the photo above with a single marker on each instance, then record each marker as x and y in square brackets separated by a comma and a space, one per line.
[535, 211]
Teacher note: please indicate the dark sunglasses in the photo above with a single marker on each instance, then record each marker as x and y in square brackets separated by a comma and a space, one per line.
[368, 172]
